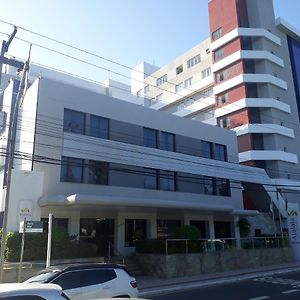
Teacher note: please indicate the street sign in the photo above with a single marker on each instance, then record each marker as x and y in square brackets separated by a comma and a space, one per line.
[31, 226]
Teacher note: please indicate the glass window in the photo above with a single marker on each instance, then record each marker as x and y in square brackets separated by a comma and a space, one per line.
[166, 229]
[178, 87]
[134, 230]
[206, 73]
[206, 149]
[225, 122]
[146, 88]
[150, 178]
[74, 121]
[92, 277]
[167, 141]
[167, 180]
[139, 93]
[70, 280]
[219, 54]
[222, 187]
[221, 99]
[98, 172]
[193, 61]
[188, 82]
[150, 138]
[209, 187]
[179, 69]
[99, 127]
[220, 152]
[217, 34]
[71, 169]
[161, 80]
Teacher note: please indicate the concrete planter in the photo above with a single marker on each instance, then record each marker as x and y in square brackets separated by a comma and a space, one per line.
[177, 265]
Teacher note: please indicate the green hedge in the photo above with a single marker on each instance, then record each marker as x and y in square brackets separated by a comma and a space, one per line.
[36, 246]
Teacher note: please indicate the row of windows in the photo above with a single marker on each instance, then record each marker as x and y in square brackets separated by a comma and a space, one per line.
[194, 61]
[76, 122]
[161, 80]
[227, 73]
[97, 172]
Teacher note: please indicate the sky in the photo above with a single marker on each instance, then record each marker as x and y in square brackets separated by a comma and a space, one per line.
[125, 31]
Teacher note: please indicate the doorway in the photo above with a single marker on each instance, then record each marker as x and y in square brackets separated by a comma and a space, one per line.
[99, 232]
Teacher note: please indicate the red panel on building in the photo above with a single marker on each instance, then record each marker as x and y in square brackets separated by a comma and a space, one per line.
[244, 143]
[223, 14]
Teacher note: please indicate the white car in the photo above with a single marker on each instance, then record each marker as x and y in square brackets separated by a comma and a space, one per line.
[90, 281]
[37, 291]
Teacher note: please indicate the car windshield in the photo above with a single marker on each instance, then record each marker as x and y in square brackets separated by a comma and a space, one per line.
[43, 277]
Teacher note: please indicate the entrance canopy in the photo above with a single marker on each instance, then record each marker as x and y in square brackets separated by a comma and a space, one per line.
[114, 201]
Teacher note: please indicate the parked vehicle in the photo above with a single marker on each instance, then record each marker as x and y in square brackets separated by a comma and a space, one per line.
[36, 291]
[90, 281]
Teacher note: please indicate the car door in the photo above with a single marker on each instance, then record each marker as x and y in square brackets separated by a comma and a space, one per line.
[71, 283]
[97, 283]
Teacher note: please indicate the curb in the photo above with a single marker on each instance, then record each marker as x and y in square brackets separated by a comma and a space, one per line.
[178, 287]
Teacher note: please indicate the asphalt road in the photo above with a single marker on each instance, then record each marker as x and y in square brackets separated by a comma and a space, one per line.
[278, 287]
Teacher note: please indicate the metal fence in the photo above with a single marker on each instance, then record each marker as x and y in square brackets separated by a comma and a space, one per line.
[207, 245]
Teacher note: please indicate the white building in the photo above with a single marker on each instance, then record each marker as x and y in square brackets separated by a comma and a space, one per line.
[108, 168]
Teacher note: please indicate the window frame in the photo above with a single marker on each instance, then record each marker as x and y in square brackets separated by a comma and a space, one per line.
[67, 128]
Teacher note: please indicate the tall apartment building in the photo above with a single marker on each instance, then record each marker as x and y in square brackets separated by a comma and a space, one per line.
[245, 77]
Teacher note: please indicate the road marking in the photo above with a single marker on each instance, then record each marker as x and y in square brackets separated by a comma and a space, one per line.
[260, 298]
[290, 291]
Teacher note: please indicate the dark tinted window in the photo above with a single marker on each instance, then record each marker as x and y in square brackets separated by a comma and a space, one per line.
[206, 150]
[150, 138]
[74, 121]
[222, 187]
[220, 152]
[209, 186]
[99, 127]
[150, 178]
[167, 141]
[167, 180]
[71, 169]
[98, 172]
[70, 280]
[92, 277]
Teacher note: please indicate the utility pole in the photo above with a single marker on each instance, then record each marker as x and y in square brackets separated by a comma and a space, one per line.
[12, 141]
[4, 49]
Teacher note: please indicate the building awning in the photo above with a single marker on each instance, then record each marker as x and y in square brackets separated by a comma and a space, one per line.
[114, 201]
[245, 212]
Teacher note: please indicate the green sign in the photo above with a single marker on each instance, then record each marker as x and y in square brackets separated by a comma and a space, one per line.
[34, 226]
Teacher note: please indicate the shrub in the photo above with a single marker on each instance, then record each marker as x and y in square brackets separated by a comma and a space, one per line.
[188, 232]
[35, 247]
[150, 246]
[245, 227]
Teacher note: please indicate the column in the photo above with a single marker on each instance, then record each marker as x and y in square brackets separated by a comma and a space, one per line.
[237, 235]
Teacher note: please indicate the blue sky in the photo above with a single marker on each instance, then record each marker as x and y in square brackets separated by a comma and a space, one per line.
[127, 31]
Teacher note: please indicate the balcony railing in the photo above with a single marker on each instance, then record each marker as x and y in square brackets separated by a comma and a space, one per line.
[208, 245]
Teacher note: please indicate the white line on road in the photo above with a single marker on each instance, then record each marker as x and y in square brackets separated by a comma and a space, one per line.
[260, 298]
[290, 291]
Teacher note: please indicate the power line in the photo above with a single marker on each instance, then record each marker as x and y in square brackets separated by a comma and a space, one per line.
[184, 97]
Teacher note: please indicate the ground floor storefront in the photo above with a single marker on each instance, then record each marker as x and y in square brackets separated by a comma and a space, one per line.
[115, 231]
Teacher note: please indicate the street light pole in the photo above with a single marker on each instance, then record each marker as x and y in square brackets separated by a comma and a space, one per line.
[12, 141]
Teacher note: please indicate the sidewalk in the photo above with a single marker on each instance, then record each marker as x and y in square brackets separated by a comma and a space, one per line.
[149, 286]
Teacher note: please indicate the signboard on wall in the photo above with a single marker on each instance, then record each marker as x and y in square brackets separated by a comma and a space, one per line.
[25, 210]
[293, 222]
